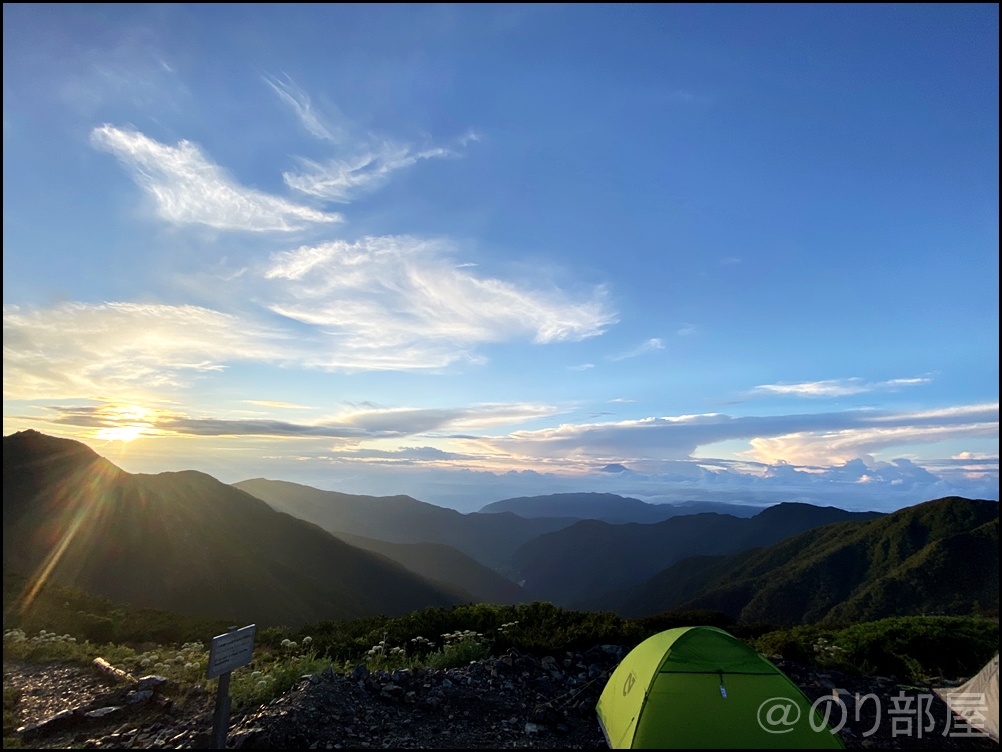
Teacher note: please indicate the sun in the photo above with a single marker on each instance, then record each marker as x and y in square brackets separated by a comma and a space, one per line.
[126, 423]
[120, 433]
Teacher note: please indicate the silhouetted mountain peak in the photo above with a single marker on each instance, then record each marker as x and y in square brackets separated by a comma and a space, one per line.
[34, 446]
[186, 542]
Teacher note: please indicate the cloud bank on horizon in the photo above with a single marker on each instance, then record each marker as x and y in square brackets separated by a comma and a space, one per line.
[341, 297]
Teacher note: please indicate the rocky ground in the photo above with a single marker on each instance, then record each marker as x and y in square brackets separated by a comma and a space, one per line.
[514, 701]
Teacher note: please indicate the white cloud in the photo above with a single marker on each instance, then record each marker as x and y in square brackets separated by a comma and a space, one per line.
[819, 438]
[296, 98]
[650, 345]
[837, 387]
[366, 162]
[582, 367]
[188, 188]
[78, 350]
[402, 303]
[825, 448]
[341, 180]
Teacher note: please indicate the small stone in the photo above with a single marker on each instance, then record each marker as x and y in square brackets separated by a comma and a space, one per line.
[153, 681]
[392, 692]
[102, 712]
[139, 698]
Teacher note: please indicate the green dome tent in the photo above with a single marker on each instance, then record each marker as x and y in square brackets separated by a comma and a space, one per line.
[701, 687]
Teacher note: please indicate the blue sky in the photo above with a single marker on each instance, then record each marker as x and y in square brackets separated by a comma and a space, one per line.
[746, 253]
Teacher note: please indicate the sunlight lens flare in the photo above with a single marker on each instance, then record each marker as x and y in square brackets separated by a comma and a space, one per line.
[126, 423]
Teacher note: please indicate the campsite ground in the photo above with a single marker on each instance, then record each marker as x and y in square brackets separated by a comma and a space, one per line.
[491, 703]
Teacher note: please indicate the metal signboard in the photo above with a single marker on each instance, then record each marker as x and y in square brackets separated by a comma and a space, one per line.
[230, 651]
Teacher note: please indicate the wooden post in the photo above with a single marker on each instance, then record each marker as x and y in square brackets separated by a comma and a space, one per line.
[221, 718]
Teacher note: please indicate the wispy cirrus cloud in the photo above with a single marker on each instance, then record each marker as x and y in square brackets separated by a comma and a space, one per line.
[79, 350]
[652, 345]
[365, 162]
[188, 188]
[401, 303]
[378, 304]
[837, 387]
[342, 180]
[317, 125]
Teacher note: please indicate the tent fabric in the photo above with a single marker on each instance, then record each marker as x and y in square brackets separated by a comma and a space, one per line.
[699, 687]
[985, 684]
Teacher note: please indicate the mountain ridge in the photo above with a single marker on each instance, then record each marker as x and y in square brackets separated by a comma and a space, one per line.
[938, 555]
[185, 542]
[488, 538]
[577, 564]
[609, 507]
[444, 564]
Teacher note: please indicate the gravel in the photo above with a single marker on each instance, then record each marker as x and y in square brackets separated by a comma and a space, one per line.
[507, 702]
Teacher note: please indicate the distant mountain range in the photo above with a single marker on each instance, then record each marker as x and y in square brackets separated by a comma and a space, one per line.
[282, 553]
[448, 567]
[491, 539]
[610, 508]
[185, 542]
[579, 563]
[938, 557]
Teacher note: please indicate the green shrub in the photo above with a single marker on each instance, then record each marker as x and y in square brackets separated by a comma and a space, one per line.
[11, 697]
[913, 648]
[270, 675]
[459, 649]
[96, 619]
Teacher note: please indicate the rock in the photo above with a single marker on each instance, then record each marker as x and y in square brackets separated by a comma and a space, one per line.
[102, 712]
[360, 673]
[202, 741]
[532, 728]
[252, 738]
[153, 681]
[139, 698]
[392, 692]
[59, 719]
